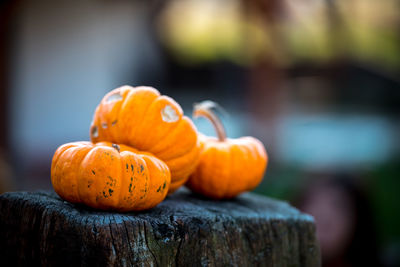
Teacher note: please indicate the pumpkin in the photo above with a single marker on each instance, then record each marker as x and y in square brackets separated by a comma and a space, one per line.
[227, 166]
[142, 118]
[108, 176]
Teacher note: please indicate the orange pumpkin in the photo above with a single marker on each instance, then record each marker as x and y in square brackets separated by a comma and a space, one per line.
[227, 167]
[108, 176]
[142, 118]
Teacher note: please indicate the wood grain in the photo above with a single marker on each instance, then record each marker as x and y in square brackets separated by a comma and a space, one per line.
[40, 229]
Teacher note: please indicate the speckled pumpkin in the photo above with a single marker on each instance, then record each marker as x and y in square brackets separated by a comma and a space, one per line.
[142, 118]
[227, 167]
[108, 176]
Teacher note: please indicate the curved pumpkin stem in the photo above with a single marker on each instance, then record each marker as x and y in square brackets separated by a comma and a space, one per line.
[204, 109]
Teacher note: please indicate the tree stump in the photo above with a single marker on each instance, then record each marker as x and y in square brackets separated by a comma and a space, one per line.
[40, 229]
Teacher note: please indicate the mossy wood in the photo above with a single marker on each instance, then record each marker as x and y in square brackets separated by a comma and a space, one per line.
[40, 229]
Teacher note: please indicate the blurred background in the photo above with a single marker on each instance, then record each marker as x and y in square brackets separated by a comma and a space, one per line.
[318, 81]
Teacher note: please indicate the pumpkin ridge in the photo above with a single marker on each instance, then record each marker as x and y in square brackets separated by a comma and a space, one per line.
[79, 172]
[189, 156]
[256, 157]
[174, 134]
[146, 173]
[128, 93]
[132, 197]
[73, 150]
[150, 202]
[64, 148]
[112, 190]
[246, 163]
[241, 152]
[138, 125]
[250, 147]
[100, 131]
[55, 178]
[163, 137]
[224, 175]
[207, 165]
[123, 179]
[116, 127]
[182, 174]
[123, 106]
[228, 184]
[143, 129]
[117, 189]
[126, 175]
[59, 152]
[76, 176]
[166, 175]
[188, 150]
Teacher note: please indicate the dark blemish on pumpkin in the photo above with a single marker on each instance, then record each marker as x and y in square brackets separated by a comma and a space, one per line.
[112, 181]
[130, 187]
[141, 197]
[110, 191]
[104, 125]
[127, 166]
[132, 167]
[158, 190]
[141, 168]
[88, 186]
[94, 173]
[131, 178]
[114, 122]
[164, 185]
[104, 194]
[94, 132]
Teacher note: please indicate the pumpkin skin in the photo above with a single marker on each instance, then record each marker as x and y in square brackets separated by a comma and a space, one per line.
[227, 167]
[142, 118]
[108, 176]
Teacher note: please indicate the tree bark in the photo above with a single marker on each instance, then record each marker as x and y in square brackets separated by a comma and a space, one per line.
[40, 229]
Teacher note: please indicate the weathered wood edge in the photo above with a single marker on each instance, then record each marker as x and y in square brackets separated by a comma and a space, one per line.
[250, 230]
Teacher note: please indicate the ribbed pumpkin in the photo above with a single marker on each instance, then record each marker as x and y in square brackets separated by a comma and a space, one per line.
[108, 176]
[142, 118]
[227, 167]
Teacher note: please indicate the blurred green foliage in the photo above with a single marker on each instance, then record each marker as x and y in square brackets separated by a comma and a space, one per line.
[320, 31]
[384, 185]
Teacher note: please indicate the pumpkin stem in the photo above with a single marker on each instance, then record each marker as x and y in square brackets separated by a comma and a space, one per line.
[116, 147]
[204, 109]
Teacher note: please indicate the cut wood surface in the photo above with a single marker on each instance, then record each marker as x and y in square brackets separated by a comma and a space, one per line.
[40, 229]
